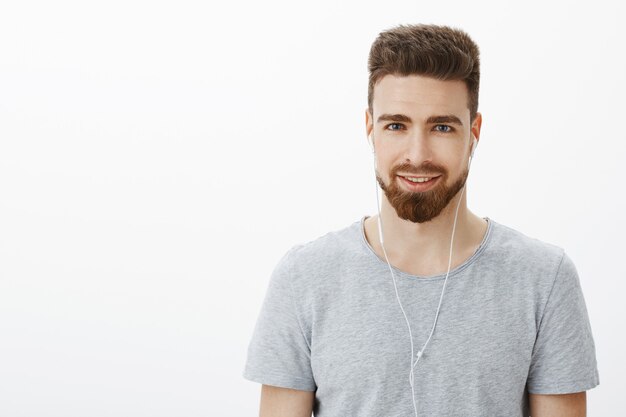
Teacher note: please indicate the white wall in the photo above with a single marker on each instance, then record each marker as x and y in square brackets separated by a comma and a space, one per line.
[158, 158]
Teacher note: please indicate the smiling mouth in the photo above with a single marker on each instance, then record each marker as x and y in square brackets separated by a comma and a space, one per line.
[418, 179]
[419, 183]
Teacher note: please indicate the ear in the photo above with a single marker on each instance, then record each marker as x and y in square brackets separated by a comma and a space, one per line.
[476, 124]
[369, 122]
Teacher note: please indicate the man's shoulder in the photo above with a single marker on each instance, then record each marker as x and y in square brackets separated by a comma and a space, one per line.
[308, 265]
[332, 244]
[512, 238]
[511, 244]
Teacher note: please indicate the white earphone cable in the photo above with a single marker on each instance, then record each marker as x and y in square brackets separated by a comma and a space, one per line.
[420, 352]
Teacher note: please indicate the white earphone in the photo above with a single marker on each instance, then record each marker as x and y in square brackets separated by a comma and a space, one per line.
[419, 354]
[473, 148]
[370, 139]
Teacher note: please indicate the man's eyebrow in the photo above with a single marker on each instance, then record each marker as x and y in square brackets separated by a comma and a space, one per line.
[394, 118]
[448, 118]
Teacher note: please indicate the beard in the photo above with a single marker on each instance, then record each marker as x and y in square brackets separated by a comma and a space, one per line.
[420, 207]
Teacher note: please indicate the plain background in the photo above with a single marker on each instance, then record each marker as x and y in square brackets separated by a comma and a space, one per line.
[158, 158]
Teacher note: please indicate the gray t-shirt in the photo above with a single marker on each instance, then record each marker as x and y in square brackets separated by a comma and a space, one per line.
[513, 321]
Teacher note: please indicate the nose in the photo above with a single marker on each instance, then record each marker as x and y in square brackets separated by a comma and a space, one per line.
[418, 149]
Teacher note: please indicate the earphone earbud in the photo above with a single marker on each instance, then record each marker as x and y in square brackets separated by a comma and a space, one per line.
[473, 148]
[370, 139]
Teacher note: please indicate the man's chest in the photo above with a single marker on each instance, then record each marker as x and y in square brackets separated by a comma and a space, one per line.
[480, 339]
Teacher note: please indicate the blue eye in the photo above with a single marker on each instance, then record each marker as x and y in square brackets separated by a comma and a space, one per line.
[447, 128]
[394, 126]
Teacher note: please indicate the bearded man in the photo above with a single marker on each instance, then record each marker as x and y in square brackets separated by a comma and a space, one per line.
[424, 309]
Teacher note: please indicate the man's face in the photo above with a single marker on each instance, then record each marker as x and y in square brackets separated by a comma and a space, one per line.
[421, 129]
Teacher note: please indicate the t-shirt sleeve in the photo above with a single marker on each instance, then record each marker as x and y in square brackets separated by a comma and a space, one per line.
[279, 354]
[564, 359]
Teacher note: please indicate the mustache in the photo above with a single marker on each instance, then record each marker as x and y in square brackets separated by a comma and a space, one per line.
[425, 168]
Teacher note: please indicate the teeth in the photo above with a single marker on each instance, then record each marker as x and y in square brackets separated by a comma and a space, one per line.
[421, 179]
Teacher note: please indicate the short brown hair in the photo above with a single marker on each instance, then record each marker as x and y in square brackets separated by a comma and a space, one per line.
[441, 52]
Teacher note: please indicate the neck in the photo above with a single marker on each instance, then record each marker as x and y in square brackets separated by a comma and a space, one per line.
[426, 245]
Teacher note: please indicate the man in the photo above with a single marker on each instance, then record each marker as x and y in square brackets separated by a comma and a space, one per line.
[426, 309]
